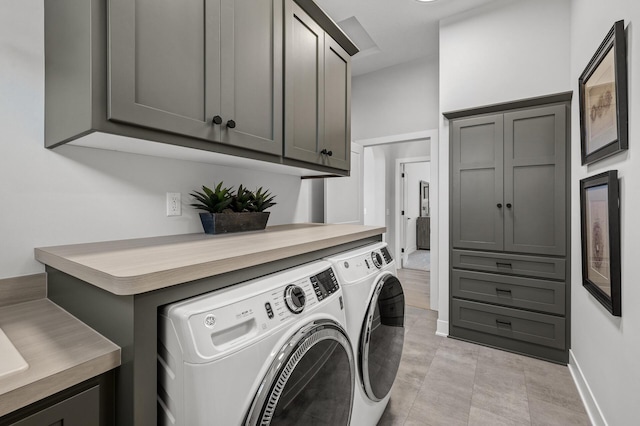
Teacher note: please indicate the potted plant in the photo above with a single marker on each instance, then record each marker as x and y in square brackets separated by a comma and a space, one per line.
[229, 211]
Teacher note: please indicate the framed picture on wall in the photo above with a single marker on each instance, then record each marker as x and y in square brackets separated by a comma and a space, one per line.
[600, 219]
[603, 99]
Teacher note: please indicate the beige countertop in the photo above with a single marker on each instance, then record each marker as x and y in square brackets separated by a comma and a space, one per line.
[136, 266]
[61, 352]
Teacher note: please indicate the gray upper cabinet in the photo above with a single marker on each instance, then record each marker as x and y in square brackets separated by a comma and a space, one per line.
[508, 181]
[317, 93]
[203, 75]
[206, 69]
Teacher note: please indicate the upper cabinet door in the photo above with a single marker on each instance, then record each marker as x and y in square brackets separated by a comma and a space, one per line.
[164, 62]
[476, 191]
[337, 104]
[534, 183]
[174, 66]
[304, 85]
[251, 34]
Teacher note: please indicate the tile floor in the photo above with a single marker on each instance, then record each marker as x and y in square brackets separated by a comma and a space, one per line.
[443, 381]
[419, 259]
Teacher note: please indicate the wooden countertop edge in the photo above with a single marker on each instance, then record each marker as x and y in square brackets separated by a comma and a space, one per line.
[50, 385]
[131, 285]
[61, 351]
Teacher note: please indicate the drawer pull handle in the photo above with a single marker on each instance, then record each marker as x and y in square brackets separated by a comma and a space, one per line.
[503, 265]
[501, 290]
[503, 323]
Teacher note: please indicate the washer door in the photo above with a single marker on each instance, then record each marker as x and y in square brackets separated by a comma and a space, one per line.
[311, 380]
[382, 337]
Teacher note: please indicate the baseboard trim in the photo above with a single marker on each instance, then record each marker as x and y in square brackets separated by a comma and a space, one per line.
[442, 328]
[589, 401]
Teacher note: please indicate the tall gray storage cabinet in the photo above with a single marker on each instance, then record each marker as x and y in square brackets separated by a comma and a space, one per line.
[509, 226]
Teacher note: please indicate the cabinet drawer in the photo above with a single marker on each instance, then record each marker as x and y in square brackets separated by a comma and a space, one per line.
[82, 409]
[541, 329]
[533, 266]
[517, 292]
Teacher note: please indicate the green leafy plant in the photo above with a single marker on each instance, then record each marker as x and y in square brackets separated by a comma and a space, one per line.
[261, 200]
[225, 200]
[213, 201]
[242, 200]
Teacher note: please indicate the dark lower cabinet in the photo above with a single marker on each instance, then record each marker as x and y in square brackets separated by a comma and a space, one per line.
[509, 226]
[90, 403]
[423, 233]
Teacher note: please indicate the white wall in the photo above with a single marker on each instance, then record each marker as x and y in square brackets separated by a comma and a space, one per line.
[374, 177]
[395, 100]
[343, 198]
[606, 350]
[75, 195]
[504, 51]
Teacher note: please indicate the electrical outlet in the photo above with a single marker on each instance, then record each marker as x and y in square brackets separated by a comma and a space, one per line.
[174, 206]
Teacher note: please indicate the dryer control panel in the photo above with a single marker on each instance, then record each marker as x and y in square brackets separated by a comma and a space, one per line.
[324, 283]
[363, 265]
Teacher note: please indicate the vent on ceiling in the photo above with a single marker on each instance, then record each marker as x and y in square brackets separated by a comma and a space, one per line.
[357, 34]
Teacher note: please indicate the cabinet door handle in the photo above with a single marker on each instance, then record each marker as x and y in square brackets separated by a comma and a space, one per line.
[499, 205]
[503, 323]
[508, 205]
[325, 152]
[502, 290]
[231, 124]
[503, 265]
[217, 120]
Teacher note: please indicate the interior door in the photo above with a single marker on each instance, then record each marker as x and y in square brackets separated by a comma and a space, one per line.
[404, 216]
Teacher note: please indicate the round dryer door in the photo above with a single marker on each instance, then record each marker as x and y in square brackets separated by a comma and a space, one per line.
[311, 380]
[382, 337]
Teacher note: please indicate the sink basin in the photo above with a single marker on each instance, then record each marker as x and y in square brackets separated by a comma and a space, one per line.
[10, 359]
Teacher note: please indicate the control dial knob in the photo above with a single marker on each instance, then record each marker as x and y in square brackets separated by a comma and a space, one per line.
[377, 259]
[294, 298]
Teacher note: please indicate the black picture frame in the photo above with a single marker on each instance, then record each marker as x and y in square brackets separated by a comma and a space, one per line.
[603, 102]
[600, 224]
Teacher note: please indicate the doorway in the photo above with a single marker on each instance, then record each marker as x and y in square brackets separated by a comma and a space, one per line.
[413, 176]
[382, 199]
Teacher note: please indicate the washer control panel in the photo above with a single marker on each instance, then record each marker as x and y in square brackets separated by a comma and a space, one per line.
[325, 283]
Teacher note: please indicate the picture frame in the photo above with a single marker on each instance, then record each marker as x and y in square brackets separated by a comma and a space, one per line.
[600, 224]
[603, 99]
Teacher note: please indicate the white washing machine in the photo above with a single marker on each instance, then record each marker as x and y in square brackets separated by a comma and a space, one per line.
[374, 302]
[269, 351]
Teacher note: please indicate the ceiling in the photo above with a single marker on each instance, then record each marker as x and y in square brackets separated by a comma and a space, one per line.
[398, 30]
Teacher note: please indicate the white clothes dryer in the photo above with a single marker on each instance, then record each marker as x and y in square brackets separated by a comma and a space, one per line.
[374, 302]
[269, 351]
